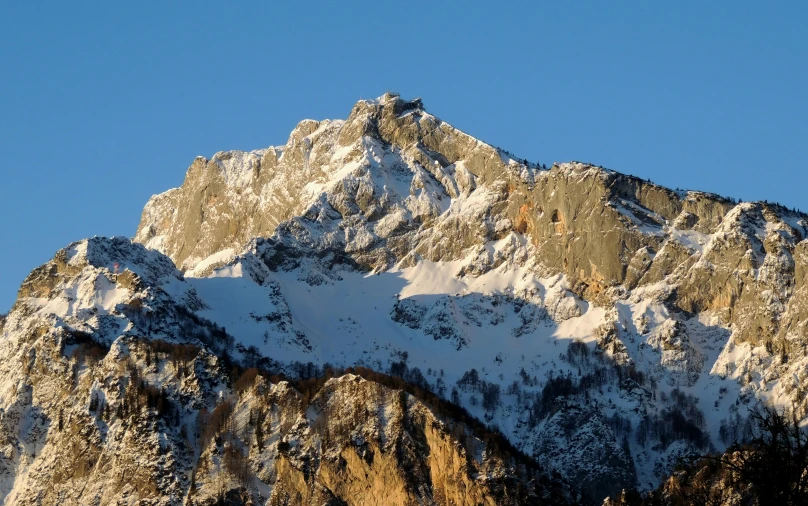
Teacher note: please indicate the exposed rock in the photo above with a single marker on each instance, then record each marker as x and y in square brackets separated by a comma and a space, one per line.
[604, 324]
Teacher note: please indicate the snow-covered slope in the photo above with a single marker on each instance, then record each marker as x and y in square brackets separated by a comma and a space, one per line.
[604, 324]
[114, 391]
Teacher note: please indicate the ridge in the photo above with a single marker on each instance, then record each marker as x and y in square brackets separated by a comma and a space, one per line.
[605, 325]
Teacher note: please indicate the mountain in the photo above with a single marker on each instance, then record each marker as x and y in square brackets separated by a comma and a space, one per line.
[115, 392]
[387, 307]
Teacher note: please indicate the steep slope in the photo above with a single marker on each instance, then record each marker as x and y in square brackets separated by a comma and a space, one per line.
[113, 392]
[604, 324]
[384, 172]
[393, 184]
[499, 261]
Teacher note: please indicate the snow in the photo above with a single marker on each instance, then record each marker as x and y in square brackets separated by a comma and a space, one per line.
[798, 222]
[581, 328]
[348, 319]
[429, 278]
[505, 320]
[650, 223]
[492, 308]
[691, 239]
[238, 166]
[219, 257]
[231, 300]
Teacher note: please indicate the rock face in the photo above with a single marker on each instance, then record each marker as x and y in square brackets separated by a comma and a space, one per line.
[392, 184]
[106, 415]
[605, 325]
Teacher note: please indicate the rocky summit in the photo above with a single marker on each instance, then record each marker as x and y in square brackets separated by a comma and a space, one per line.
[386, 310]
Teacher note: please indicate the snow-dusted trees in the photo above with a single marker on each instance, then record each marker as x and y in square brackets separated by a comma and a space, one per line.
[472, 383]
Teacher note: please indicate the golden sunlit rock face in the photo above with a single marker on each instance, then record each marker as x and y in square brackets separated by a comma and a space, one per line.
[386, 310]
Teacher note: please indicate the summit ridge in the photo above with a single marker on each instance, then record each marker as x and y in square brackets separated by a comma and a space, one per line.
[603, 324]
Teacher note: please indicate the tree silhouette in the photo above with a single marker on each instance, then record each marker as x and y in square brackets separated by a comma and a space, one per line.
[770, 469]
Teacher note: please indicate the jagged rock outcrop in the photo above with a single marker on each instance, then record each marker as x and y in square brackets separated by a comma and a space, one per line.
[120, 408]
[604, 324]
[393, 184]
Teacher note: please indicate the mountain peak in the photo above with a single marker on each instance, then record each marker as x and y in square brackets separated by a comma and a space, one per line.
[394, 101]
[605, 324]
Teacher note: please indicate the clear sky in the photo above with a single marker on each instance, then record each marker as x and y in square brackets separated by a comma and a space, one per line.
[103, 104]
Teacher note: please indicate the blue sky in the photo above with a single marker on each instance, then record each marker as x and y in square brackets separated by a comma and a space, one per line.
[105, 104]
